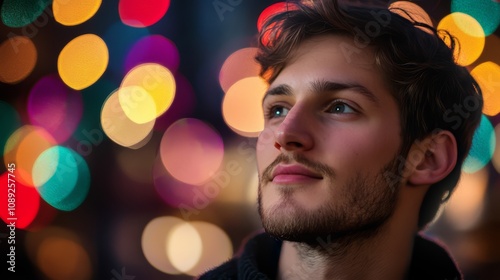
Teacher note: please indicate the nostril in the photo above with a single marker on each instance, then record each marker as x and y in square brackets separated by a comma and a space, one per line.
[277, 145]
[294, 144]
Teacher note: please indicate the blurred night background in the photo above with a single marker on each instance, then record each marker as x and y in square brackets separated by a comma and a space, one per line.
[132, 125]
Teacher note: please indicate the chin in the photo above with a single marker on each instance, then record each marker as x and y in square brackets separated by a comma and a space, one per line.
[310, 198]
[286, 219]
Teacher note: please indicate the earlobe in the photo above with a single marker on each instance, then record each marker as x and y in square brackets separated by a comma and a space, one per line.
[433, 160]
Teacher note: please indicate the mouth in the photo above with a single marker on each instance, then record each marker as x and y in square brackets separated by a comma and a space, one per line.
[294, 173]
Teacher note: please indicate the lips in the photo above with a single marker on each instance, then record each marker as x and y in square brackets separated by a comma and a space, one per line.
[287, 174]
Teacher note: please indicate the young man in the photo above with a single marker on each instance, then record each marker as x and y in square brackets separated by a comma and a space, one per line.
[360, 149]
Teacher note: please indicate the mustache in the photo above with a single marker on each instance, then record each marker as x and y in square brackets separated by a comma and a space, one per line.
[318, 167]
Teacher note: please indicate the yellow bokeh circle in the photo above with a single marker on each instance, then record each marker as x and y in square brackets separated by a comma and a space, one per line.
[74, 12]
[147, 91]
[487, 75]
[83, 61]
[469, 33]
[242, 106]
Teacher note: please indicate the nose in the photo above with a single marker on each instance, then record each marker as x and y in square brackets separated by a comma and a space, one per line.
[295, 132]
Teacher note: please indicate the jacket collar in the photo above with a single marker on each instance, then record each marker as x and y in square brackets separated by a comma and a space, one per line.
[430, 260]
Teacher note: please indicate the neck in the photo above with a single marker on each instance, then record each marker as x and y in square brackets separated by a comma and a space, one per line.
[384, 254]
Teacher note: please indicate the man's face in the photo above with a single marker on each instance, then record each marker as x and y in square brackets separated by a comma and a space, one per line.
[331, 136]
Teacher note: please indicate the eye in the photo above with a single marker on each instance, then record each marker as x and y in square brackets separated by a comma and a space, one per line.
[276, 112]
[340, 107]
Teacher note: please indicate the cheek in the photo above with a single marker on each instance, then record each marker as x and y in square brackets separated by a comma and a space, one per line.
[362, 149]
[265, 150]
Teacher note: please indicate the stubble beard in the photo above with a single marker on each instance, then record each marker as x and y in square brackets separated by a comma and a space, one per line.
[361, 207]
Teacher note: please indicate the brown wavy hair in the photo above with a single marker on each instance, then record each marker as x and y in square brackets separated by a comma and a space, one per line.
[417, 61]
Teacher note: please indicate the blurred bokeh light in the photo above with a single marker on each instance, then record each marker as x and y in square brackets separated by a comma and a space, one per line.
[21, 13]
[240, 64]
[467, 203]
[486, 12]
[483, 147]
[268, 13]
[153, 49]
[487, 74]
[242, 106]
[119, 128]
[469, 33]
[154, 242]
[55, 107]
[139, 13]
[216, 247]
[63, 259]
[412, 12]
[83, 61]
[62, 178]
[59, 254]
[182, 106]
[74, 12]
[26, 201]
[18, 56]
[23, 147]
[191, 151]
[146, 92]
[183, 246]
[176, 193]
[496, 155]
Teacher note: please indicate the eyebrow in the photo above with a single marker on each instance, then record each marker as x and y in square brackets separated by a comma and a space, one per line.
[325, 86]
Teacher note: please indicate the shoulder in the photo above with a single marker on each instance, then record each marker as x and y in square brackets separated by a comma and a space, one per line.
[225, 271]
[432, 259]
[257, 259]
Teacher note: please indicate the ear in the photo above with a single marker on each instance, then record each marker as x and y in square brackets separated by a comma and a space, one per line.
[432, 159]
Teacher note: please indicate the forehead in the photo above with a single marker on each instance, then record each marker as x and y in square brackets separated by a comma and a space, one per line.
[342, 47]
[331, 57]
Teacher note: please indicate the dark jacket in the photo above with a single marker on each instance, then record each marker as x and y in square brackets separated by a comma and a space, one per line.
[259, 260]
